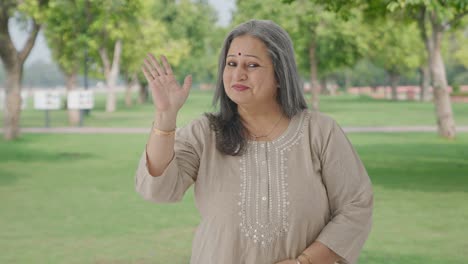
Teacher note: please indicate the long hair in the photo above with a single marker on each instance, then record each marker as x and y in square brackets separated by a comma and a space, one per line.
[229, 130]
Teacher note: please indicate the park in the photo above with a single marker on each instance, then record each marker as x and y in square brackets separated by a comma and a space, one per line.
[67, 191]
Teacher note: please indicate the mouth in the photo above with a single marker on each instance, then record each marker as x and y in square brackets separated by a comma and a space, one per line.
[240, 87]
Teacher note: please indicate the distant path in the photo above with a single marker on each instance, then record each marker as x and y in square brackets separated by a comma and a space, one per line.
[138, 130]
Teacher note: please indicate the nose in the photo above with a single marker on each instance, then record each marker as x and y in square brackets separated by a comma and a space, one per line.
[240, 74]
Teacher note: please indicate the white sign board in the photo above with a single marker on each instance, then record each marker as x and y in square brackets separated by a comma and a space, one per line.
[83, 99]
[24, 100]
[47, 100]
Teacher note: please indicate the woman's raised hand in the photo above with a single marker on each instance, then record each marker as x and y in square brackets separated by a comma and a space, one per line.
[168, 95]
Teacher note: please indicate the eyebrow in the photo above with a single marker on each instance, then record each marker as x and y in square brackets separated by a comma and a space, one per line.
[247, 55]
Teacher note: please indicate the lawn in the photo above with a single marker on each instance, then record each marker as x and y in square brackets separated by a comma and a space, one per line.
[70, 199]
[348, 110]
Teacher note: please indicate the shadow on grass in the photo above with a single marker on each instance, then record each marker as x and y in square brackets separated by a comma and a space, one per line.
[18, 153]
[21, 149]
[7, 177]
[28, 156]
[421, 167]
[378, 257]
[34, 155]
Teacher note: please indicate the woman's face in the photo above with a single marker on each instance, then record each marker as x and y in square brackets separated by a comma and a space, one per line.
[249, 76]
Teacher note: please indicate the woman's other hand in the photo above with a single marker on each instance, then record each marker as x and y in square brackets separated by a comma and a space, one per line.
[168, 95]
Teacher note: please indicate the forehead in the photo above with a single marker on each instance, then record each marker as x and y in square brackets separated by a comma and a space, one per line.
[247, 44]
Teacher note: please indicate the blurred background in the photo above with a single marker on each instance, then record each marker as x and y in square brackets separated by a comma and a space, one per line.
[76, 112]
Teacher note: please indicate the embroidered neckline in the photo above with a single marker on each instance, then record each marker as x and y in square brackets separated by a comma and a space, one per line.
[264, 192]
[293, 126]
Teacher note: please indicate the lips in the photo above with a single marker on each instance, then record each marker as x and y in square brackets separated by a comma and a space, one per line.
[240, 87]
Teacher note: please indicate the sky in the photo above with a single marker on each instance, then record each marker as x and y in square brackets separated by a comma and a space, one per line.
[41, 51]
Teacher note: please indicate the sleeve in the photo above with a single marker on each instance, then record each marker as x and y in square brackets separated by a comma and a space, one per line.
[349, 193]
[180, 173]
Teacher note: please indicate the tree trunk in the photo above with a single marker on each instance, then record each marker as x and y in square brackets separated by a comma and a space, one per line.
[394, 80]
[142, 93]
[128, 95]
[131, 83]
[323, 86]
[111, 71]
[424, 82]
[12, 113]
[443, 105]
[13, 61]
[333, 87]
[314, 82]
[73, 114]
[347, 80]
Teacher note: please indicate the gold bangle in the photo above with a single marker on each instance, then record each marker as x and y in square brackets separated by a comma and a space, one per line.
[162, 132]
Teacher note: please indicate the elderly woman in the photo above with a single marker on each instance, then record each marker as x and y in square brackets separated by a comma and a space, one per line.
[274, 182]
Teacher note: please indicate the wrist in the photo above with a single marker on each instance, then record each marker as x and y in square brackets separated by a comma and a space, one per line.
[165, 121]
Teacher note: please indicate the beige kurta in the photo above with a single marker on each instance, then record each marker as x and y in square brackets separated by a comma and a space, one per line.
[272, 202]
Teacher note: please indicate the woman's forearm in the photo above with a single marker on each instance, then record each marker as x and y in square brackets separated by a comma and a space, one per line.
[160, 148]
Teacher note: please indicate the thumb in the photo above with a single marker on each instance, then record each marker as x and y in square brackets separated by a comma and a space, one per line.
[187, 83]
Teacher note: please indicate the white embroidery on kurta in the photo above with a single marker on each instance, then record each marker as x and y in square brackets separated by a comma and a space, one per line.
[264, 197]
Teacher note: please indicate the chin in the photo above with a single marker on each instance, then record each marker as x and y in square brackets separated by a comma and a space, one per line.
[239, 98]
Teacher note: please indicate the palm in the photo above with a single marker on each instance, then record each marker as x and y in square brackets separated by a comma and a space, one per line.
[167, 94]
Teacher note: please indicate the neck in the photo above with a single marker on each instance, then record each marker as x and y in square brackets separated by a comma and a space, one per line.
[262, 123]
[257, 113]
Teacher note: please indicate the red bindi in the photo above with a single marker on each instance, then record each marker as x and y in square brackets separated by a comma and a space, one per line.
[239, 53]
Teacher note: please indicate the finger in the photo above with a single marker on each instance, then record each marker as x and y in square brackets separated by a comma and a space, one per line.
[150, 69]
[147, 74]
[149, 77]
[167, 66]
[156, 65]
[187, 83]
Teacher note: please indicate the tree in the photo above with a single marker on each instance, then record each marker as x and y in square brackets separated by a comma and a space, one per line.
[65, 33]
[195, 22]
[13, 60]
[434, 17]
[149, 35]
[395, 47]
[109, 24]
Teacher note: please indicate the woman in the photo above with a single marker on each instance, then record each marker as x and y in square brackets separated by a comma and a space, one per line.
[274, 182]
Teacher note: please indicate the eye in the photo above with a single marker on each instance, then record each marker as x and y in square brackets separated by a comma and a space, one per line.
[253, 65]
[231, 63]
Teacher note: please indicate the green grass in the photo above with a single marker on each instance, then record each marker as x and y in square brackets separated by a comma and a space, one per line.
[365, 111]
[346, 109]
[71, 199]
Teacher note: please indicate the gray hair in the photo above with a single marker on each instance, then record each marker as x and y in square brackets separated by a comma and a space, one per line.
[280, 48]
[230, 136]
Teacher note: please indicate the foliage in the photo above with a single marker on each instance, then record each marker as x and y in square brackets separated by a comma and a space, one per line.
[193, 22]
[65, 32]
[458, 41]
[340, 43]
[107, 22]
[365, 73]
[396, 47]
[151, 35]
